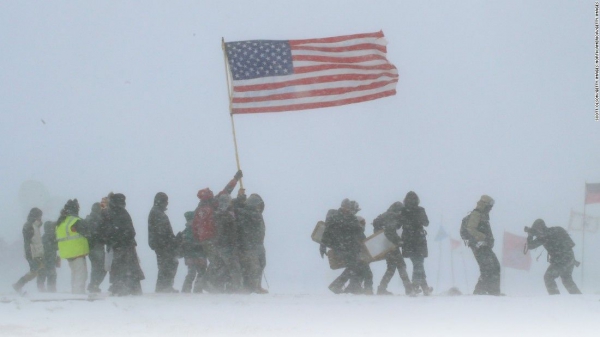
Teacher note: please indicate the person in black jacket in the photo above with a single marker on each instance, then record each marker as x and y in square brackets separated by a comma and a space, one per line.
[251, 236]
[51, 259]
[34, 250]
[162, 241]
[389, 221]
[559, 245]
[229, 274]
[96, 241]
[125, 271]
[343, 234]
[413, 241]
[193, 256]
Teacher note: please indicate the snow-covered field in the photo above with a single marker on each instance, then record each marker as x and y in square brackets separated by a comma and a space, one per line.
[300, 315]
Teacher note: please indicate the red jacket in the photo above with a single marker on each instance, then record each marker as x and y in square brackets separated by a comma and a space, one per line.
[203, 226]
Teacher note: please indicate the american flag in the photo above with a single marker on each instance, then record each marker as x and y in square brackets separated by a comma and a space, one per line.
[287, 75]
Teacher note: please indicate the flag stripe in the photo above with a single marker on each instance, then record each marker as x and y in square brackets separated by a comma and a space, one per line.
[274, 76]
[313, 99]
[316, 105]
[354, 47]
[313, 80]
[331, 66]
[310, 93]
[355, 59]
[334, 39]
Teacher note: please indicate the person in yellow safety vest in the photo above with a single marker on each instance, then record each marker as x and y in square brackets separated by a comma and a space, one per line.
[72, 245]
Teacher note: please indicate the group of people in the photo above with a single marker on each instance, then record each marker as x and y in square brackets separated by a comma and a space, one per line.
[344, 235]
[222, 245]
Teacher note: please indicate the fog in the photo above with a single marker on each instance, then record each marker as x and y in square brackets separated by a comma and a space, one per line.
[494, 98]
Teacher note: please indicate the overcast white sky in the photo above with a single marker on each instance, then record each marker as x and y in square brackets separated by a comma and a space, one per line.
[494, 98]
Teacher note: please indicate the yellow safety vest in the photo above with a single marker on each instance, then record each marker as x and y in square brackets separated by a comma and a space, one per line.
[70, 244]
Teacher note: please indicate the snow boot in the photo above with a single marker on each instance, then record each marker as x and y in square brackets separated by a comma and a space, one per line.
[383, 291]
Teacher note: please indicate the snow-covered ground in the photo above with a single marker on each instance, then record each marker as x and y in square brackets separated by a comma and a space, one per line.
[300, 315]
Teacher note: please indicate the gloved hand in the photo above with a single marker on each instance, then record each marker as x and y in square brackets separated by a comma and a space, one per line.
[322, 250]
[238, 175]
[480, 244]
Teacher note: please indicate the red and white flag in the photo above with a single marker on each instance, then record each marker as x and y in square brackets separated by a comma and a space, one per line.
[287, 75]
[513, 255]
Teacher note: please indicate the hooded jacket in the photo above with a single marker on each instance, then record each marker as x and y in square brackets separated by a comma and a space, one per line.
[160, 231]
[121, 232]
[478, 225]
[413, 221]
[32, 237]
[555, 240]
[203, 225]
[249, 218]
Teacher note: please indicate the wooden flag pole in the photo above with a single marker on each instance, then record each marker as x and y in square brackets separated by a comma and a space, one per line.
[237, 157]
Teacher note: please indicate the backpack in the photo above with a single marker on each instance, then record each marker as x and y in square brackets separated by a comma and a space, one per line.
[464, 233]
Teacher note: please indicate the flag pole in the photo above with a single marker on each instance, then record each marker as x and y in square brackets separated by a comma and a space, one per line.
[452, 262]
[583, 236]
[237, 157]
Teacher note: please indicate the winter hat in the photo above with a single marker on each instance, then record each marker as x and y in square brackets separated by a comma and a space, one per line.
[49, 227]
[189, 215]
[346, 203]
[486, 199]
[72, 207]
[34, 213]
[411, 199]
[539, 226]
[396, 207]
[96, 207]
[205, 194]
[117, 199]
[256, 202]
[161, 199]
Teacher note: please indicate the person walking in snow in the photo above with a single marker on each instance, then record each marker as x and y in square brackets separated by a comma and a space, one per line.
[413, 241]
[343, 234]
[71, 232]
[389, 222]
[161, 240]
[481, 241]
[559, 246]
[34, 249]
[47, 276]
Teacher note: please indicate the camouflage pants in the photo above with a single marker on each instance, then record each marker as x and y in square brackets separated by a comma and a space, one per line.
[489, 268]
[565, 272]
[394, 260]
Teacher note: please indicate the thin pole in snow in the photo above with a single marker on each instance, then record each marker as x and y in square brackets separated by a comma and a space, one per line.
[583, 225]
[227, 75]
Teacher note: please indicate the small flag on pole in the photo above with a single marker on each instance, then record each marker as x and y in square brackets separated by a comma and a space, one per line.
[513, 255]
[441, 234]
[576, 222]
[454, 244]
[287, 75]
[592, 193]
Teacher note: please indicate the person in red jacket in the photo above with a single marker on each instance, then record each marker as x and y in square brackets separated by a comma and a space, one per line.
[205, 230]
